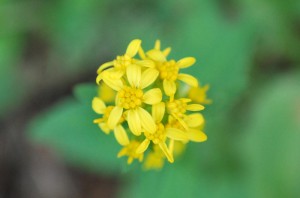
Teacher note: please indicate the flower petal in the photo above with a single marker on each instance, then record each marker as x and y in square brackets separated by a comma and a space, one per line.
[114, 117]
[166, 51]
[148, 77]
[196, 135]
[98, 105]
[188, 79]
[147, 121]
[195, 107]
[133, 47]
[104, 127]
[166, 151]
[194, 120]
[104, 66]
[186, 62]
[134, 122]
[134, 75]
[122, 152]
[142, 53]
[176, 134]
[146, 63]
[156, 55]
[112, 79]
[158, 111]
[121, 135]
[157, 45]
[143, 146]
[169, 87]
[153, 96]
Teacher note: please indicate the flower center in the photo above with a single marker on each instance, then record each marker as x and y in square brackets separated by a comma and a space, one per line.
[177, 108]
[121, 62]
[158, 136]
[175, 124]
[168, 70]
[130, 98]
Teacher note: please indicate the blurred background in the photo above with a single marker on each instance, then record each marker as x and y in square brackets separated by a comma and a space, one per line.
[248, 51]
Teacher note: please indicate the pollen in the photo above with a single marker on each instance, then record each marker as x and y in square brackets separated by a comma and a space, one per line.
[168, 70]
[130, 97]
[177, 107]
[158, 136]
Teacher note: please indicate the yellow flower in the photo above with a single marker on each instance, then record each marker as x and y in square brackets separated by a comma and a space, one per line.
[165, 52]
[177, 108]
[198, 94]
[193, 130]
[130, 151]
[155, 159]
[118, 67]
[131, 97]
[169, 70]
[160, 135]
[137, 95]
[120, 134]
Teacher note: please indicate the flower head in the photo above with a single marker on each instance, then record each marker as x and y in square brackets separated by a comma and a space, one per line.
[144, 107]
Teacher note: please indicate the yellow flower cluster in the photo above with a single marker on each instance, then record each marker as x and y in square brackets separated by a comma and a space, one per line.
[141, 102]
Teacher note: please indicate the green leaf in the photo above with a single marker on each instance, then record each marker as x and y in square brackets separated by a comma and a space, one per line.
[85, 92]
[270, 142]
[68, 128]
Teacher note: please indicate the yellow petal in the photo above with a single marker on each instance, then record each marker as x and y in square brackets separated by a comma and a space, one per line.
[157, 45]
[153, 96]
[188, 79]
[146, 63]
[134, 122]
[114, 117]
[112, 79]
[148, 77]
[122, 152]
[194, 120]
[195, 107]
[133, 47]
[171, 146]
[166, 51]
[134, 75]
[166, 151]
[158, 111]
[186, 62]
[104, 127]
[130, 160]
[143, 146]
[98, 105]
[156, 55]
[121, 135]
[147, 121]
[176, 134]
[142, 53]
[105, 66]
[169, 87]
[196, 135]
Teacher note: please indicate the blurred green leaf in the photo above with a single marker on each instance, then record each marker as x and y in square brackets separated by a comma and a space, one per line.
[182, 180]
[270, 143]
[68, 128]
[85, 92]
[10, 86]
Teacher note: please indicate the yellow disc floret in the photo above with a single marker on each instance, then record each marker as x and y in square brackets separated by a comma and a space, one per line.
[177, 107]
[168, 70]
[121, 62]
[158, 136]
[130, 98]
